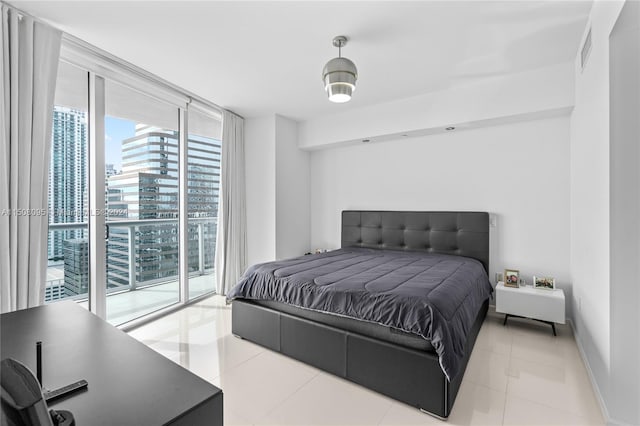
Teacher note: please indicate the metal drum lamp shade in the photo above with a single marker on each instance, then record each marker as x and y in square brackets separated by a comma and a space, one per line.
[340, 75]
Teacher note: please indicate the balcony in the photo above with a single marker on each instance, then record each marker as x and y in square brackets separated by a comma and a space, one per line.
[142, 265]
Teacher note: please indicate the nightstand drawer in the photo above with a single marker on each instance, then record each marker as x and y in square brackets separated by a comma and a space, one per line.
[529, 302]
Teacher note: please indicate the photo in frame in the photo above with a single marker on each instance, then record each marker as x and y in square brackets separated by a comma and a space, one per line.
[511, 277]
[547, 283]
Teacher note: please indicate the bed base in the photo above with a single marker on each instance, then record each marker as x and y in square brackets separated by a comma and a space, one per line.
[407, 375]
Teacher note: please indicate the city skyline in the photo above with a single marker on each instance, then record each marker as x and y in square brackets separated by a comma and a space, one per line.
[68, 174]
[141, 184]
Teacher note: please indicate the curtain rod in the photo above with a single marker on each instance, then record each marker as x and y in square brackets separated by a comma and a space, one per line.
[134, 69]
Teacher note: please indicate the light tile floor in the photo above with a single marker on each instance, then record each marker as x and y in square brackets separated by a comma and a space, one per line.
[128, 305]
[518, 375]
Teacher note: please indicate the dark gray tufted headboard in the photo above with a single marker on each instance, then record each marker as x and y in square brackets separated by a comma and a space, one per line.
[457, 233]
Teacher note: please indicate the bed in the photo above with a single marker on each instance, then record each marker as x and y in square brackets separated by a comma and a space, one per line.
[396, 309]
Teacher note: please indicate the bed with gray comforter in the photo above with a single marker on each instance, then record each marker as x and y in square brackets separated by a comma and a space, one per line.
[434, 296]
[397, 309]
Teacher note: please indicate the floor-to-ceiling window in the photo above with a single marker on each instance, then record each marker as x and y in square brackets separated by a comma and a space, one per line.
[136, 162]
[141, 171]
[203, 147]
[68, 267]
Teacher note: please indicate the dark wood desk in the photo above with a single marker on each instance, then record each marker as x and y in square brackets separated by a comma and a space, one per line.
[129, 383]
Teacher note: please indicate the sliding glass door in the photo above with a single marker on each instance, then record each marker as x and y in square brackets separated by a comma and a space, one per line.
[125, 143]
[203, 185]
[67, 250]
[141, 171]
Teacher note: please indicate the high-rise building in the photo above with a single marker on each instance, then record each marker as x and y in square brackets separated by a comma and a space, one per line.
[54, 288]
[147, 189]
[203, 184]
[76, 266]
[67, 176]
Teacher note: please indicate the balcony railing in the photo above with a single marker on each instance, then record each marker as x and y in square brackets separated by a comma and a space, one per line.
[135, 253]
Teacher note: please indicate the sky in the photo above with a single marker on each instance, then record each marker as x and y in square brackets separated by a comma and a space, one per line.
[116, 130]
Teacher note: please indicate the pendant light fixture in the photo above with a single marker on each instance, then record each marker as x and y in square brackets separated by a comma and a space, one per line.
[339, 75]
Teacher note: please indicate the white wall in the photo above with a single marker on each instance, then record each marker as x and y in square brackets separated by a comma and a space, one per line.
[260, 175]
[277, 179]
[292, 192]
[590, 196]
[518, 171]
[624, 68]
[624, 149]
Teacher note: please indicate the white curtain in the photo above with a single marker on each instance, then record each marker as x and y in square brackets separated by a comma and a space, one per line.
[30, 52]
[231, 241]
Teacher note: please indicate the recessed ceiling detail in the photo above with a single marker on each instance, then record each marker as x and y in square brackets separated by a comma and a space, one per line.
[232, 52]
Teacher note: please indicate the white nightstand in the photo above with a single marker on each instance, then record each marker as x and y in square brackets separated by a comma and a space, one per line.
[528, 302]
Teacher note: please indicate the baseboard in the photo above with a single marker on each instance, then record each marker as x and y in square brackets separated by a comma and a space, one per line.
[603, 407]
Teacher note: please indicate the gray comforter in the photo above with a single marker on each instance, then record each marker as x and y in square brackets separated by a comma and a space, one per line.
[435, 296]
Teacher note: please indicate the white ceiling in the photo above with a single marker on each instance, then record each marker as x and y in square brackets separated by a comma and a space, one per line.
[263, 57]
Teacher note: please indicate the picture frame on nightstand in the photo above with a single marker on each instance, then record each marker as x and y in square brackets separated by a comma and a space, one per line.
[511, 278]
[547, 283]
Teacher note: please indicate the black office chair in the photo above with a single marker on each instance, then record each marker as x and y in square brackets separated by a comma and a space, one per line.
[23, 403]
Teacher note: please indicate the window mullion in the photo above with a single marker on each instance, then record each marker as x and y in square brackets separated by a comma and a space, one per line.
[97, 244]
[183, 208]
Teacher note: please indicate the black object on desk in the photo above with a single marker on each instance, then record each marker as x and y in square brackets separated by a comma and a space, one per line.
[130, 384]
[50, 395]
